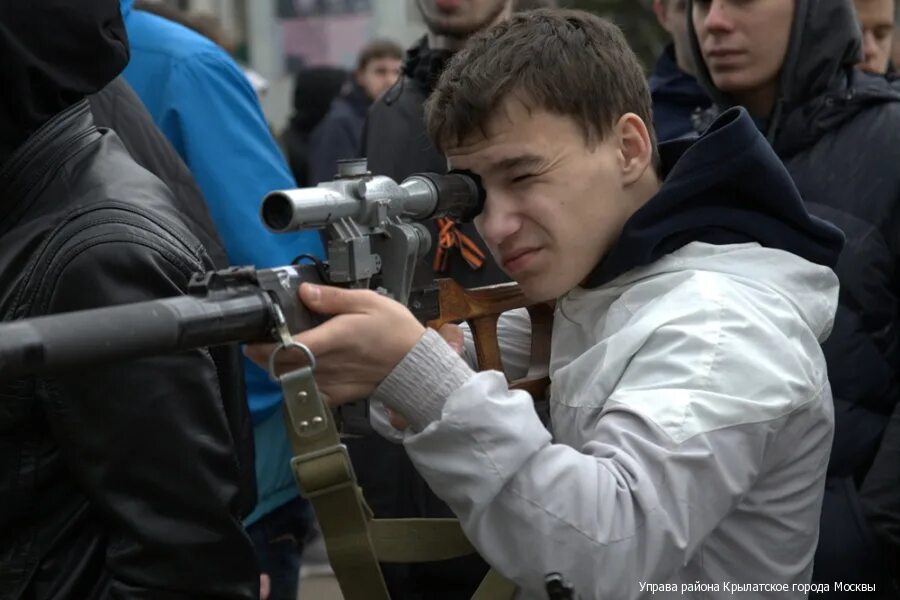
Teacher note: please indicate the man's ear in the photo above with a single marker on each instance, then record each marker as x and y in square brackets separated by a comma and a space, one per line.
[635, 147]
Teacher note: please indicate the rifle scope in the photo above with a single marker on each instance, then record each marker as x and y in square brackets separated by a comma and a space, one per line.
[371, 199]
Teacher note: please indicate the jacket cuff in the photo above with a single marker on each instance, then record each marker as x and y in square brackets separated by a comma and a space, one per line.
[419, 385]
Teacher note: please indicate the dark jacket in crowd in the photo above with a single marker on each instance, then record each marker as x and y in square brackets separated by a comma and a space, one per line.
[880, 498]
[314, 90]
[397, 145]
[338, 135]
[836, 128]
[678, 100]
[122, 481]
[117, 107]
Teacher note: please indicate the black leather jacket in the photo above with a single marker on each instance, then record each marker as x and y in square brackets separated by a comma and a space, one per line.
[118, 107]
[121, 481]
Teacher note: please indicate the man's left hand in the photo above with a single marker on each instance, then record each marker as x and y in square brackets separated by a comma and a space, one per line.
[356, 349]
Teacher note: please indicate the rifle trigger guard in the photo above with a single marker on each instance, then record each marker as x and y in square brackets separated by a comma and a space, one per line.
[287, 342]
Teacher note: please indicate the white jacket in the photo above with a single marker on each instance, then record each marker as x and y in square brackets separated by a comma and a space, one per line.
[692, 423]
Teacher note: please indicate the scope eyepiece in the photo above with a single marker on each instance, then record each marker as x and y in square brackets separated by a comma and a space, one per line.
[475, 191]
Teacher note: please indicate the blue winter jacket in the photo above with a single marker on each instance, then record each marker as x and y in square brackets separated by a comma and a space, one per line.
[205, 106]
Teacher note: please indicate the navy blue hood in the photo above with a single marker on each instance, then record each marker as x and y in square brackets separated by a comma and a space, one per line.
[356, 100]
[670, 80]
[677, 98]
[726, 187]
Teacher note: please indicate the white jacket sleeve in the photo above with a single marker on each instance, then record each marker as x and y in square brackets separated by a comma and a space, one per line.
[514, 337]
[629, 506]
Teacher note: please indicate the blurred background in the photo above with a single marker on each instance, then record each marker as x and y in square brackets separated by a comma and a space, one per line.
[275, 38]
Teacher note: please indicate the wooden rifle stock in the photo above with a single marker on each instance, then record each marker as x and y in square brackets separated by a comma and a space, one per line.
[481, 308]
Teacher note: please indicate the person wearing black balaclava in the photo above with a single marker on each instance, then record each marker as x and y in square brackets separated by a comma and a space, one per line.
[126, 481]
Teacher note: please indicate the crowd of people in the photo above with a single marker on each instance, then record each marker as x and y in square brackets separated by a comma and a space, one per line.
[721, 241]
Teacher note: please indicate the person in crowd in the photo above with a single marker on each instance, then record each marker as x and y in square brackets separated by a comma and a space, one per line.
[339, 134]
[791, 63]
[691, 412]
[203, 103]
[677, 97]
[396, 144]
[94, 505]
[209, 26]
[876, 19]
[895, 46]
[314, 90]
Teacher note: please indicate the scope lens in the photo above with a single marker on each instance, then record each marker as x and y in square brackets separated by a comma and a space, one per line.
[277, 212]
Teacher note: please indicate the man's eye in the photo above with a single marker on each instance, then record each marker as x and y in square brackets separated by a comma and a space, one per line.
[521, 178]
[883, 32]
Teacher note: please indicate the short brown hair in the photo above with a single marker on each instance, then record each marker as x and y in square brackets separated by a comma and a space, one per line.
[567, 62]
[377, 49]
[523, 5]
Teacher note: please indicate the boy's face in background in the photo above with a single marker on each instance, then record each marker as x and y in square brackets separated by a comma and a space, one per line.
[672, 16]
[744, 43]
[378, 75]
[876, 19]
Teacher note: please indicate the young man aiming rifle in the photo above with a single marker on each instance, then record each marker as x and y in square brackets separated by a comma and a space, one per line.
[690, 406]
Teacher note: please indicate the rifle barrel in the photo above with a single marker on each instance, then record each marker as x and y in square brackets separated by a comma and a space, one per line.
[67, 341]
